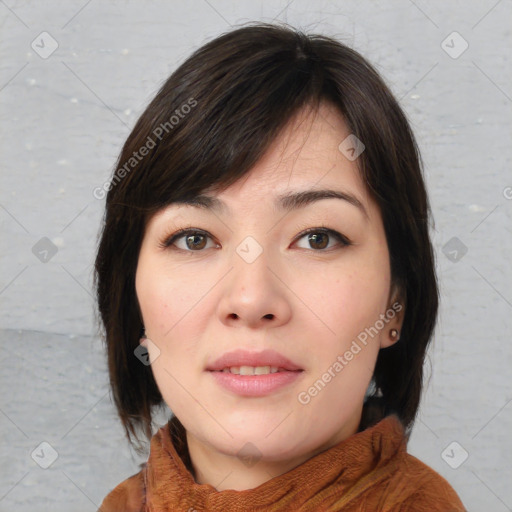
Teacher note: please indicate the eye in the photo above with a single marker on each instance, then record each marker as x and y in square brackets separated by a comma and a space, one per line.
[194, 240]
[318, 238]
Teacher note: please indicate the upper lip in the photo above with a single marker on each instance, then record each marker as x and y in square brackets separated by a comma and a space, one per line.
[246, 358]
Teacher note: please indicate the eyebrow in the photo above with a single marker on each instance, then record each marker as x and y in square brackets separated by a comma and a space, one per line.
[284, 202]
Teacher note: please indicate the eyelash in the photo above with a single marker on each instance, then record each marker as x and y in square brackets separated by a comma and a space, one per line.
[170, 239]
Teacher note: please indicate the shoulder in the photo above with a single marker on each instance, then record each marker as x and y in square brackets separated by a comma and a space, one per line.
[427, 490]
[128, 496]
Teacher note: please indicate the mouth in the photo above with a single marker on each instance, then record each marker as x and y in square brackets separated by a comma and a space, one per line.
[254, 374]
[247, 383]
[243, 362]
[254, 370]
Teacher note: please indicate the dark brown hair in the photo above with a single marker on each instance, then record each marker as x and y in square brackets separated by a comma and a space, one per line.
[210, 122]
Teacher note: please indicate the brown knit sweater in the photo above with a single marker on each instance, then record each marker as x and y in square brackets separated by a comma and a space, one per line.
[370, 471]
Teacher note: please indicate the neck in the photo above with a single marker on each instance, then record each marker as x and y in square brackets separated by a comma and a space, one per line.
[230, 472]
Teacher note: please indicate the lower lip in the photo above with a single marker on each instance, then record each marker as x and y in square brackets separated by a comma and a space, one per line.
[255, 385]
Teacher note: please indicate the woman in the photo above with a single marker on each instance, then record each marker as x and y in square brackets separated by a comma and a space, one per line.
[265, 270]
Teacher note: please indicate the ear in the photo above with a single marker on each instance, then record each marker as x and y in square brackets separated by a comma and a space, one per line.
[395, 313]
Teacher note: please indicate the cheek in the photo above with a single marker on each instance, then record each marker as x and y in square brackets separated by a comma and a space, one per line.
[164, 303]
[153, 299]
[345, 302]
[172, 310]
[347, 305]
[164, 297]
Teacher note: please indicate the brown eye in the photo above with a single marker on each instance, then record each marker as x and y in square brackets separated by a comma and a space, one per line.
[194, 240]
[319, 239]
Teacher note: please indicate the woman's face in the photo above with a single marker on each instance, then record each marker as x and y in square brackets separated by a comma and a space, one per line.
[251, 280]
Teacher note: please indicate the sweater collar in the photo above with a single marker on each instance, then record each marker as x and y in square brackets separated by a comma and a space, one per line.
[171, 486]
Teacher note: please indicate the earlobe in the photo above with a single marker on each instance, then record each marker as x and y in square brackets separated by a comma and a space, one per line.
[397, 310]
[390, 338]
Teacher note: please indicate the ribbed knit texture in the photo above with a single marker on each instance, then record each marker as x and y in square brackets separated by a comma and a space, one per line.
[368, 472]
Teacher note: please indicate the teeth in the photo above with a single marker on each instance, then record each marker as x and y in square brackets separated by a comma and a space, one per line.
[251, 370]
[261, 370]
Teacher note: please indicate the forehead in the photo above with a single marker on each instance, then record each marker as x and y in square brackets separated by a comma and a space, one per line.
[304, 155]
[303, 164]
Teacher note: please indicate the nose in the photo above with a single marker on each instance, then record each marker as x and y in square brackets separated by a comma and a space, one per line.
[254, 293]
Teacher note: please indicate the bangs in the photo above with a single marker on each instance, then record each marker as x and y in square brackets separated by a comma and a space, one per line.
[243, 97]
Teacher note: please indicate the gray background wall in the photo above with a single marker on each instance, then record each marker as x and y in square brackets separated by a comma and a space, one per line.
[63, 119]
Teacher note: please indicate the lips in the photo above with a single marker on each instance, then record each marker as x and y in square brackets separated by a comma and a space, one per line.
[238, 358]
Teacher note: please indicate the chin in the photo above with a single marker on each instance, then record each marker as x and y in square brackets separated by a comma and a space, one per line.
[254, 450]
[262, 440]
